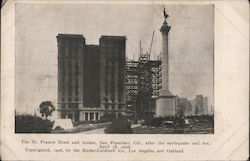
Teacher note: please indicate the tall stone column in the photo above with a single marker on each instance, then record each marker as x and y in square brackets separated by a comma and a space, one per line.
[166, 102]
[165, 67]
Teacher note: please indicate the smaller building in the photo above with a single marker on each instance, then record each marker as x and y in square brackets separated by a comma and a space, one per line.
[199, 105]
[184, 107]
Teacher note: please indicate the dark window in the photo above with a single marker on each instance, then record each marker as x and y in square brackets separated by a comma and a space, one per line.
[70, 116]
[76, 71]
[86, 117]
[63, 81]
[77, 116]
[91, 116]
[70, 91]
[63, 106]
[63, 115]
[96, 116]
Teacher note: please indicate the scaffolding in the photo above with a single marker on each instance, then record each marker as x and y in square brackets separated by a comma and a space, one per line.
[131, 84]
[143, 82]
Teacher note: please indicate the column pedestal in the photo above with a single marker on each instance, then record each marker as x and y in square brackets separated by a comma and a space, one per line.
[165, 106]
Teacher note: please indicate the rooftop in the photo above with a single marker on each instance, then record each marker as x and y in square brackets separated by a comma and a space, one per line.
[71, 35]
[113, 37]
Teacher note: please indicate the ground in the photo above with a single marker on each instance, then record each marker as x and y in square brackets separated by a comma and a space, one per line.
[138, 129]
[168, 125]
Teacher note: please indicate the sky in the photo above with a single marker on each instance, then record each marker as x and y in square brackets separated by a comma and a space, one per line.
[37, 25]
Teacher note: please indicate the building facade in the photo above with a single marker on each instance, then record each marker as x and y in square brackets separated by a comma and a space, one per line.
[184, 107]
[199, 105]
[91, 78]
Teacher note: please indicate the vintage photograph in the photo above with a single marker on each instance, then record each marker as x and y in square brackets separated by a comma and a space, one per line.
[114, 68]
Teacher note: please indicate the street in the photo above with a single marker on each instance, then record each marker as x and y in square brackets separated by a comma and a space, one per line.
[101, 130]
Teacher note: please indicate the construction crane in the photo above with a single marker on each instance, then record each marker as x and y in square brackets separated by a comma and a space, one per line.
[151, 44]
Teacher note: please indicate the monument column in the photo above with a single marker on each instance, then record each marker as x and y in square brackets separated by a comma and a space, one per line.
[166, 102]
[165, 85]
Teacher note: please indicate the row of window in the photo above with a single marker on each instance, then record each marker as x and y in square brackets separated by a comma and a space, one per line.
[70, 99]
[113, 107]
[69, 94]
[69, 106]
[70, 84]
[70, 69]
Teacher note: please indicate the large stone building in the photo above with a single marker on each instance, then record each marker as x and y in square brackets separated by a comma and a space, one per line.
[91, 78]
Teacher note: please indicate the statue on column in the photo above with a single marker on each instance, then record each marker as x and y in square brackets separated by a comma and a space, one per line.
[165, 14]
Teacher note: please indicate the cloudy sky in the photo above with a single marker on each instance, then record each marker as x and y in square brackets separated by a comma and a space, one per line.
[190, 43]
